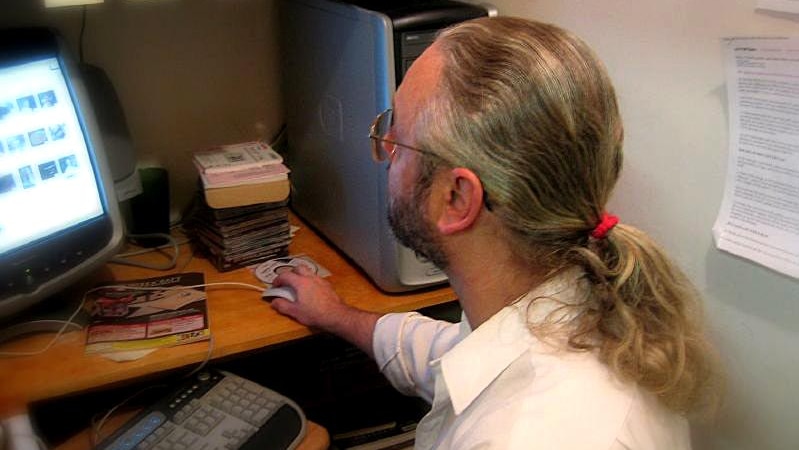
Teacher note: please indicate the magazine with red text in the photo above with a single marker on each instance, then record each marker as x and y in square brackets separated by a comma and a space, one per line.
[148, 313]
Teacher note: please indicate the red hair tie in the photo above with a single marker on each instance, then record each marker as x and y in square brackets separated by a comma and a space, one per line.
[605, 225]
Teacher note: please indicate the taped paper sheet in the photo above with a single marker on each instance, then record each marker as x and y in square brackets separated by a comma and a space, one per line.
[759, 215]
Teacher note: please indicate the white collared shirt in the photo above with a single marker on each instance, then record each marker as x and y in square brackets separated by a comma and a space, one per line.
[500, 387]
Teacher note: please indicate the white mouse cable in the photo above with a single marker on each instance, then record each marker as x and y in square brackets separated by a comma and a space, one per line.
[57, 335]
[97, 426]
[122, 286]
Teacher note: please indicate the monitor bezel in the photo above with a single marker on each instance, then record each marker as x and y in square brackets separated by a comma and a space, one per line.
[90, 243]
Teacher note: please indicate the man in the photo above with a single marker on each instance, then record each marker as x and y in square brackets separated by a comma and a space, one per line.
[504, 144]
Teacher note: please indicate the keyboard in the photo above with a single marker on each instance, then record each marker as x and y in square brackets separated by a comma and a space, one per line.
[214, 410]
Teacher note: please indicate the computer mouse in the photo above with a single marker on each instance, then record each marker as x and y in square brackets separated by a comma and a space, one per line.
[282, 292]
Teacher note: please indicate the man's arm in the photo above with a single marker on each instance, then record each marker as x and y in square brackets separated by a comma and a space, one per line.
[407, 341]
[318, 306]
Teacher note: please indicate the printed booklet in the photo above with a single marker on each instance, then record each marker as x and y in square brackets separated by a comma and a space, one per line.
[157, 312]
[236, 157]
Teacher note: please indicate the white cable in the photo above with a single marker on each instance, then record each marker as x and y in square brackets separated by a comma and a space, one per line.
[207, 357]
[178, 288]
[55, 338]
[152, 249]
[120, 259]
[97, 427]
[123, 286]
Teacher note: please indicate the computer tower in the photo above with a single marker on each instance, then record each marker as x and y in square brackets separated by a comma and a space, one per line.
[342, 62]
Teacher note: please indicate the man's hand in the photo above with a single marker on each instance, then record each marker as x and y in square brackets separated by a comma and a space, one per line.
[318, 306]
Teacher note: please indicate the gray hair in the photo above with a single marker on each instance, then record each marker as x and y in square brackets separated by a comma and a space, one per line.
[531, 110]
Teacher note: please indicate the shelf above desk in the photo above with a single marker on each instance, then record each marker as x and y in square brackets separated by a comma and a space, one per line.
[240, 322]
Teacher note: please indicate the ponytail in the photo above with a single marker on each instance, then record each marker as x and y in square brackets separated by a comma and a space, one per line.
[645, 320]
[531, 110]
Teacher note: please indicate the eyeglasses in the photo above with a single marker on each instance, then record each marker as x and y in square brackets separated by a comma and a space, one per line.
[383, 148]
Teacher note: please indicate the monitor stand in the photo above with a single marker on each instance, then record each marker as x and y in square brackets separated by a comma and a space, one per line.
[49, 316]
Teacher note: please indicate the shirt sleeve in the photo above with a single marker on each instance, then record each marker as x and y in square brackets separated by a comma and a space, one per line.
[405, 344]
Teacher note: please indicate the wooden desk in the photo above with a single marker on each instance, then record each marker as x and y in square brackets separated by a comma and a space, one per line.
[240, 322]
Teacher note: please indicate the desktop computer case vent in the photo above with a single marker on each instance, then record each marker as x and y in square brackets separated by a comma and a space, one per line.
[342, 62]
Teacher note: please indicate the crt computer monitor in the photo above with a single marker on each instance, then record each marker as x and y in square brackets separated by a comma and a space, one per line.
[59, 219]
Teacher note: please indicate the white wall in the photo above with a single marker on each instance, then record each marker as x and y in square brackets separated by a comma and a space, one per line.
[665, 58]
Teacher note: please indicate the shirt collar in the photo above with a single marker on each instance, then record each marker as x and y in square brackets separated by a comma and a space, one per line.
[484, 353]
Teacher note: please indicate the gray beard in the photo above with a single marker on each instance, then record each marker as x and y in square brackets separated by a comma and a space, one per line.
[412, 230]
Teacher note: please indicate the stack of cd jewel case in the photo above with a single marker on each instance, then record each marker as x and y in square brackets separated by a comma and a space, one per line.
[240, 236]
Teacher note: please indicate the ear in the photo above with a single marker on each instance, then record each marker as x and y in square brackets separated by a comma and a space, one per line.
[464, 201]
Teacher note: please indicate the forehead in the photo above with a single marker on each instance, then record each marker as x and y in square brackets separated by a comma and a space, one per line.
[419, 84]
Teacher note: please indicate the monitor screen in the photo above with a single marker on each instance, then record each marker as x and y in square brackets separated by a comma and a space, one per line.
[58, 215]
[47, 172]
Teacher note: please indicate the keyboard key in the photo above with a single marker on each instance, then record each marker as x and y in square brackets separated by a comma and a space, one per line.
[216, 412]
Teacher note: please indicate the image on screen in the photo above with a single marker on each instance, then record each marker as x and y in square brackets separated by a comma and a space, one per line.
[47, 179]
